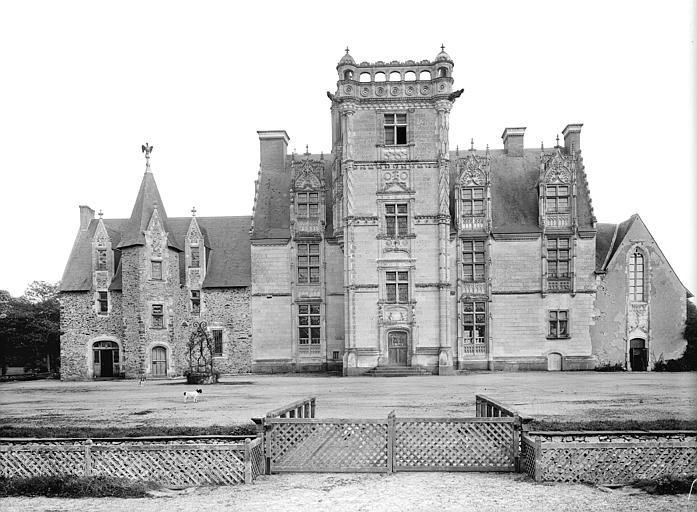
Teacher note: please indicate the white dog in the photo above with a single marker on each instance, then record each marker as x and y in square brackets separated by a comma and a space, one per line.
[192, 394]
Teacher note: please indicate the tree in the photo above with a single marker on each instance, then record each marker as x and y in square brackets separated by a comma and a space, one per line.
[30, 327]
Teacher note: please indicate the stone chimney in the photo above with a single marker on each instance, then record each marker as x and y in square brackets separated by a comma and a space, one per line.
[572, 137]
[513, 141]
[273, 146]
[86, 215]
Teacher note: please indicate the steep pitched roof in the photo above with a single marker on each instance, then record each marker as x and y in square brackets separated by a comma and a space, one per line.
[148, 197]
[227, 239]
[604, 239]
[514, 191]
[272, 205]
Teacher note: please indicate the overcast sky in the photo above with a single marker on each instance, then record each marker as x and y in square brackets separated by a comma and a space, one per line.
[84, 84]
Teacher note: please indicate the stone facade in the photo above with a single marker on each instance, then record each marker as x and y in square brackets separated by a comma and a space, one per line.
[423, 256]
[135, 290]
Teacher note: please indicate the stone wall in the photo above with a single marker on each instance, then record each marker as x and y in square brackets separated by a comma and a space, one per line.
[82, 327]
[229, 309]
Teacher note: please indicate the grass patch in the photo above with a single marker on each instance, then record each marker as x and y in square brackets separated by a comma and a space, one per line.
[94, 432]
[667, 484]
[664, 424]
[70, 486]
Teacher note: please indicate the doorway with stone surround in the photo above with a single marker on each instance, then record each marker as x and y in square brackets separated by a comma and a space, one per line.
[105, 359]
[397, 348]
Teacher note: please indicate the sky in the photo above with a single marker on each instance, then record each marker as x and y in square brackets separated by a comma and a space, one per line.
[85, 84]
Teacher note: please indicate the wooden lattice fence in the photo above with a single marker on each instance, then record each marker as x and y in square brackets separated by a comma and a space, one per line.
[297, 443]
[173, 464]
[562, 457]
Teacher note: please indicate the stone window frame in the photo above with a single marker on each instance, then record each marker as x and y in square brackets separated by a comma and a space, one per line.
[554, 321]
[472, 200]
[153, 274]
[397, 285]
[308, 266]
[195, 302]
[218, 331]
[306, 311]
[194, 248]
[102, 302]
[552, 200]
[632, 279]
[475, 312]
[102, 259]
[568, 259]
[399, 127]
[303, 198]
[475, 262]
[157, 315]
[396, 215]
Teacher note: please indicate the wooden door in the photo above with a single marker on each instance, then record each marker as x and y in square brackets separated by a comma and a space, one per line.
[397, 348]
[554, 362]
[159, 362]
[107, 367]
[638, 356]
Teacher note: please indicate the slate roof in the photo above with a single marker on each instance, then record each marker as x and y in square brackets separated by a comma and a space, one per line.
[148, 197]
[514, 191]
[227, 239]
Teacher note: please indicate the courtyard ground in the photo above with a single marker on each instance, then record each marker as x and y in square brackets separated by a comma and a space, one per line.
[572, 396]
[403, 492]
[567, 396]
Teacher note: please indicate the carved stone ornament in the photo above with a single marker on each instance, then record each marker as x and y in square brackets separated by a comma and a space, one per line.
[395, 315]
[307, 178]
[396, 245]
[395, 153]
[395, 181]
[157, 239]
[557, 170]
[101, 279]
[473, 173]
[638, 318]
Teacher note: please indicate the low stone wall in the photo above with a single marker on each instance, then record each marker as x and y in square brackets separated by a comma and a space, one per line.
[608, 457]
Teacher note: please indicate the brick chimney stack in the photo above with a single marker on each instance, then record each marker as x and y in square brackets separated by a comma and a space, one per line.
[86, 215]
[513, 141]
[572, 136]
[273, 146]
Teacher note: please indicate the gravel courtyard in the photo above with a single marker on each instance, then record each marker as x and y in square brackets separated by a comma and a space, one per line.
[577, 396]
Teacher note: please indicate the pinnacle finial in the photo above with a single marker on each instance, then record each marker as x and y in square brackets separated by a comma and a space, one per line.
[147, 149]
[442, 47]
[347, 49]
[557, 141]
[193, 211]
[457, 150]
[542, 145]
[307, 149]
[472, 144]
[101, 213]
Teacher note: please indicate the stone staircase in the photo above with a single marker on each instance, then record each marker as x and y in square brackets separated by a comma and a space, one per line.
[398, 371]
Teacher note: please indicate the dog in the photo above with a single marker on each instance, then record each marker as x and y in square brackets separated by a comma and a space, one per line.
[142, 381]
[192, 394]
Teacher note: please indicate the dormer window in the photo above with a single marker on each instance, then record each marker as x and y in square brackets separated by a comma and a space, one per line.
[557, 199]
[395, 129]
[473, 201]
[195, 257]
[308, 204]
[101, 259]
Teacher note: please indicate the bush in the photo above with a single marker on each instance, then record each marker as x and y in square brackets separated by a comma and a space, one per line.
[111, 432]
[667, 484]
[70, 486]
[610, 367]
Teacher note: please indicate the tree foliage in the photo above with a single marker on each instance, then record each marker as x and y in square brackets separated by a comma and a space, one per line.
[30, 327]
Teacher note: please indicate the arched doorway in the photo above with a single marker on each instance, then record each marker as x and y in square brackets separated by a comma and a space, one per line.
[638, 355]
[106, 360]
[554, 362]
[159, 362]
[397, 345]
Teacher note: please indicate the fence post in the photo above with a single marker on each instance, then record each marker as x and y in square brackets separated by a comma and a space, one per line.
[247, 463]
[267, 447]
[538, 462]
[312, 407]
[88, 457]
[391, 427]
[477, 406]
[516, 442]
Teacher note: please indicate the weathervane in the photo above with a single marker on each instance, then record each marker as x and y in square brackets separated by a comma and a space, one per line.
[147, 149]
